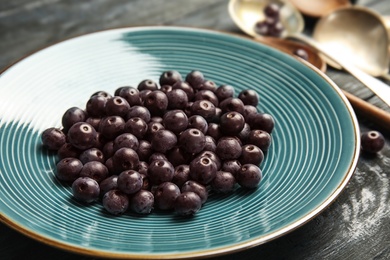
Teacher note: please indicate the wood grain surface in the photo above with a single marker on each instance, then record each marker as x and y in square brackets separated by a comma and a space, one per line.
[356, 226]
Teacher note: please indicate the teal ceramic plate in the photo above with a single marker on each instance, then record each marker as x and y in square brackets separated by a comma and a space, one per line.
[313, 155]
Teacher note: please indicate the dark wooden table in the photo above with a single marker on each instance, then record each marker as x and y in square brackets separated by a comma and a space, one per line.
[356, 226]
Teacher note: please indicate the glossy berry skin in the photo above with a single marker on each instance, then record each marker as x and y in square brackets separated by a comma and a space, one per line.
[272, 10]
[115, 202]
[244, 134]
[156, 102]
[117, 106]
[126, 140]
[262, 28]
[249, 176]
[232, 166]
[213, 156]
[202, 169]
[186, 88]
[144, 150]
[181, 174]
[211, 145]
[198, 122]
[203, 108]
[109, 183]
[207, 95]
[68, 169]
[72, 116]
[92, 154]
[147, 84]
[95, 170]
[96, 106]
[130, 181]
[177, 99]
[68, 150]
[142, 202]
[248, 109]
[53, 138]
[165, 195]
[196, 187]
[249, 97]
[108, 149]
[192, 140]
[112, 126]
[262, 121]
[372, 141]
[131, 95]
[166, 89]
[93, 121]
[175, 121]
[232, 104]
[125, 159]
[82, 135]
[214, 130]
[170, 77]
[224, 91]
[157, 156]
[208, 85]
[223, 182]
[136, 126]
[139, 111]
[228, 148]
[163, 140]
[187, 204]
[251, 154]
[85, 189]
[232, 123]
[260, 138]
[195, 78]
[102, 93]
[160, 171]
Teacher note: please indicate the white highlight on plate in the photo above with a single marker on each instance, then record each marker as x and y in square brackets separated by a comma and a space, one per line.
[66, 74]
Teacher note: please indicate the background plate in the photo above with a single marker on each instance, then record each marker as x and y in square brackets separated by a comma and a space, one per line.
[313, 155]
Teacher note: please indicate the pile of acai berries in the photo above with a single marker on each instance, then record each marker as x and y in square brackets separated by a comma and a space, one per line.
[162, 145]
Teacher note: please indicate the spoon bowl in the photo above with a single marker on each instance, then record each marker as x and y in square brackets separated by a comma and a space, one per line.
[246, 13]
[351, 32]
[318, 8]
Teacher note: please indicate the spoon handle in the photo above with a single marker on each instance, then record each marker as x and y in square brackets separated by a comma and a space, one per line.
[381, 89]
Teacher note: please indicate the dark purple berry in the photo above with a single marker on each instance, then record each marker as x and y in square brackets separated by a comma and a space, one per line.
[224, 91]
[232, 104]
[175, 121]
[177, 99]
[73, 115]
[139, 111]
[192, 140]
[163, 140]
[93, 121]
[203, 108]
[125, 159]
[260, 138]
[228, 148]
[198, 122]
[262, 121]
[92, 154]
[249, 97]
[301, 53]
[165, 195]
[272, 10]
[207, 95]
[208, 85]
[160, 171]
[96, 106]
[156, 102]
[68, 169]
[249, 176]
[232, 166]
[126, 140]
[372, 141]
[196, 187]
[195, 78]
[181, 174]
[142, 202]
[251, 154]
[115, 202]
[117, 106]
[223, 182]
[85, 189]
[232, 123]
[170, 77]
[95, 170]
[203, 169]
[53, 138]
[112, 126]
[136, 126]
[186, 88]
[177, 156]
[102, 93]
[144, 150]
[109, 183]
[82, 135]
[130, 181]
[262, 28]
[147, 84]
[188, 204]
[211, 145]
[214, 130]
[131, 95]
[68, 150]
